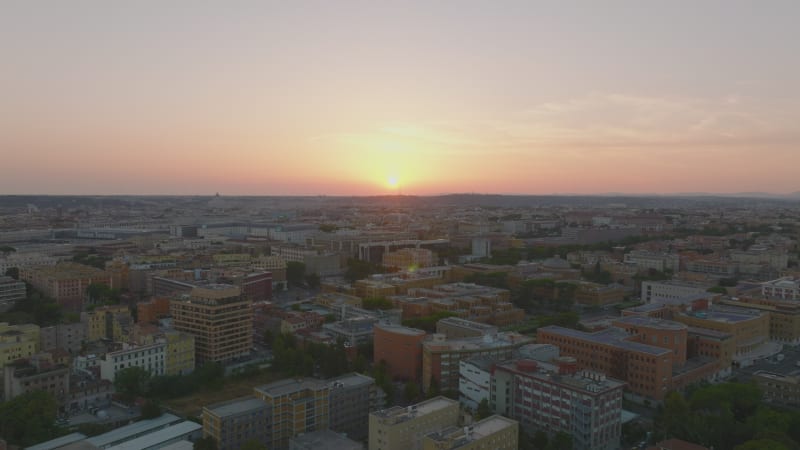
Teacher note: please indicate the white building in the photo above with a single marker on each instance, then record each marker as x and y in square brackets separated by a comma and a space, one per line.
[786, 288]
[657, 291]
[649, 260]
[149, 357]
[475, 376]
[20, 260]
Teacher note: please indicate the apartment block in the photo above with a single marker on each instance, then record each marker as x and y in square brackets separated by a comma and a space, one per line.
[152, 310]
[295, 406]
[559, 398]
[11, 291]
[327, 439]
[220, 320]
[17, 342]
[456, 328]
[492, 433]
[149, 357]
[779, 389]
[38, 373]
[352, 398]
[644, 260]
[64, 336]
[235, 422]
[180, 353]
[65, 283]
[112, 322]
[400, 428]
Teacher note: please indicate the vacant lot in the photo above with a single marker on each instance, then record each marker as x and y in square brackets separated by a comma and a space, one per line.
[192, 405]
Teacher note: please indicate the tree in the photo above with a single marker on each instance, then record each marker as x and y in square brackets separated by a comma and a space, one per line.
[132, 382]
[253, 444]
[561, 441]
[375, 303]
[313, 281]
[151, 409]
[29, 418]
[483, 410]
[206, 443]
[540, 440]
[411, 391]
[295, 273]
[761, 444]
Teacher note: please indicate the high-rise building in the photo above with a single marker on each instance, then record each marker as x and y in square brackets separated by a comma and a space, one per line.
[220, 320]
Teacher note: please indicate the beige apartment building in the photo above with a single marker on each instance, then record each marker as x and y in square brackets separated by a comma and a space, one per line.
[219, 318]
[492, 433]
[295, 407]
[400, 428]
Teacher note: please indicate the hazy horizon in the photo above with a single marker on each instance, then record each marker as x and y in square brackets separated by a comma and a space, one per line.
[363, 98]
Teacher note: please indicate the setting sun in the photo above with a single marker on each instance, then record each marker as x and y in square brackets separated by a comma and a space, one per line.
[393, 182]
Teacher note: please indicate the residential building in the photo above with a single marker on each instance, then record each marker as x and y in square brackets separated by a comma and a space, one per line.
[594, 294]
[784, 316]
[441, 356]
[234, 422]
[295, 406]
[37, 373]
[17, 342]
[180, 353]
[779, 389]
[352, 398]
[492, 433]
[658, 291]
[220, 320]
[559, 398]
[401, 348]
[11, 291]
[354, 332]
[644, 260]
[64, 336]
[111, 322]
[66, 283]
[149, 357]
[400, 428]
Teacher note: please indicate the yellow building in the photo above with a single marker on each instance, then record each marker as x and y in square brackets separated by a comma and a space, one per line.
[400, 428]
[408, 258]
[492, 433]
[296, 406]
[107, 322]
[373, 289]
[17, 341]
[180, 353]
[231, 259]
[749, 328]
[784, 317]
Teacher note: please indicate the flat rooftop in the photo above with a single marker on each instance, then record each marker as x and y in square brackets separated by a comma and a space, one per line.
[134, 429]
[291, 385]
[400, 329]
[58, 442]
[400, 414]
[644, 321]
[351, 380]
[327, 439]
[234, 407]
[609, 336]
[479, 430]
[170, 433]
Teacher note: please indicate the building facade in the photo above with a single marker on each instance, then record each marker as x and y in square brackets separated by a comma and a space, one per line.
[295, 407]
[235, 422]
[400, 428]
[149, 357]
[220, 320]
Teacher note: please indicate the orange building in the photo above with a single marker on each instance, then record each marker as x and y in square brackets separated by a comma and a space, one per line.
[401, 348]
[65, 283]
[151, 311]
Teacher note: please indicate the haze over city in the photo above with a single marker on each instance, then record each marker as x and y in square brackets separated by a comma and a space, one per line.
[366, 98]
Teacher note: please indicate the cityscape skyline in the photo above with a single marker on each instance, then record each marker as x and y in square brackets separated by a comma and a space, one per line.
[312, 98]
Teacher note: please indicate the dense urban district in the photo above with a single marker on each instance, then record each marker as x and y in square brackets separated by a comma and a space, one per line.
[399, 322]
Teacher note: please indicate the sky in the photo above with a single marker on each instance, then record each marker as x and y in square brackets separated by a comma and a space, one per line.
[412, 97]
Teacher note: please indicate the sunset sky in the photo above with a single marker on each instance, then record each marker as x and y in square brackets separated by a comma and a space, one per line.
[374, 97]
